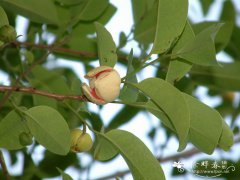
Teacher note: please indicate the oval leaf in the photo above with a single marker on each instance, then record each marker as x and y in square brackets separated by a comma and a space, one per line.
[49, 128]
[170, 100]
[104, 150]
[106, 46]
[139, 158]
[206, 125]
[226, 77]
[171, 19]
[178, 68]
[10, 128]
[92, 9]
[43, 11]
[128, 93]
[227, 138]
[201, 50]
[3, 18]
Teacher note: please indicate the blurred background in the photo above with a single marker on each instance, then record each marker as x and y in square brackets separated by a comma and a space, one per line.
[141, 123]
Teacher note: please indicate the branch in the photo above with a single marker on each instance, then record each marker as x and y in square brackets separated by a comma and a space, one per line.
[31, 90]
[56, 49]
[23, 74]
[4, 167]
[62, 50]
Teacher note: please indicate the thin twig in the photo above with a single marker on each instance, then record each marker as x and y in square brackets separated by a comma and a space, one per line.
[30, 90]
[56, 49]
[6, 97]
[4, 167]
[25, 73]
[62, 50]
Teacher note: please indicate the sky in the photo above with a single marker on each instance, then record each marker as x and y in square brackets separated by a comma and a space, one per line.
[142, 123]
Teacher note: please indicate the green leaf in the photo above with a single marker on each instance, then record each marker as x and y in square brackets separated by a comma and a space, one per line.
[124, 116]
[122, 40]
[223, 35]
[69, 2]
[128, 93]
[83, 28]
[226, 77]
[54, 81]
[91, 9]
[145, 27]
[140, 160]
[47, 167]
[3, 18]
[65, 176]
[104, 150]
[206, 125]
[206, 5]
[84, 44]
[41, 100]
[106, 46]
[171, 19]
[232, 47]
[228, 12]
[49, 128]
[177, 67]
[138, 8]
[201, 49]
[151, 107]
[43, 11]
[227, 138]
[11, 126]
[164, 95]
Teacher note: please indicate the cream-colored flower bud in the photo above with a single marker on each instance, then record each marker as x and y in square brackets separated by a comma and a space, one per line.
[80, 142]
[104, 85]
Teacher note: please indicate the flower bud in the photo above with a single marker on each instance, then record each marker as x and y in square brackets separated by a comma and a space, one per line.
[7, 33]
[25, 139]
[104, 85]
[80, 142]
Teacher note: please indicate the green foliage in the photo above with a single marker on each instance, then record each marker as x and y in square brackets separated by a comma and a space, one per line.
[106, 47]
[40, 107]
[177, 67]
[3, 17]
[201, 49]
[129, 94]
[64, 175]
[171, 20]
[49, 128]
[10, 128]
[40, 11]
[176, 111]
[131, 148]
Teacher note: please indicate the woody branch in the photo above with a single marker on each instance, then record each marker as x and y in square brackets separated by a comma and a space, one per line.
[32, 90]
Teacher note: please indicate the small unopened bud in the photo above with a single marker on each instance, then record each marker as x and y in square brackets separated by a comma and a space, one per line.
[80, 142]
[25, 139]
[104, 85]
[7, 33]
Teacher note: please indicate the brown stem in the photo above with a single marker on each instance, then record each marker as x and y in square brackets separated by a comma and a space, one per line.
[62, 50]
[56, 49]
[4, 167]
[22, 75]
[31, 90]
[25, 73]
